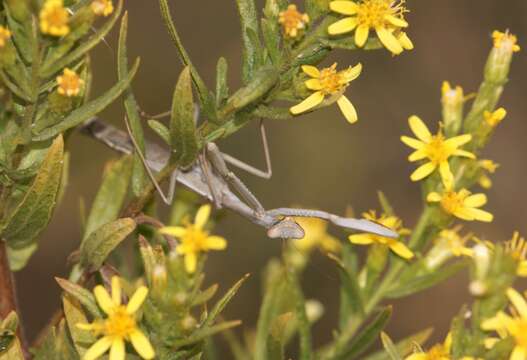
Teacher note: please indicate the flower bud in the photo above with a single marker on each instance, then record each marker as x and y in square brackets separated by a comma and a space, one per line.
[159, 279]
[500, 57]
[452, 101]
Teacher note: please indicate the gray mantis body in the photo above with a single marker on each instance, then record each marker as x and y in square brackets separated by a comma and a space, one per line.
[277, 222]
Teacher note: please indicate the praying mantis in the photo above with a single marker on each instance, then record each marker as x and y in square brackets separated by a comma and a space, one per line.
[210, 177]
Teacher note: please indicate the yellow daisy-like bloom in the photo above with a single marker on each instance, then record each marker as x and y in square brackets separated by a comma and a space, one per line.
[505, 41]
[462, 204]
[5, 34]
[514, 325]
[449, 243]
[70, 84]
[517, 248]
[293, 21]
[120, 325]
[451, 96]
[390, 221]
[54, 18]
[316, 235]
[329, 83]
[436, 149]
[102, 7]
[194, 238]
[494, 118]
[383, 16]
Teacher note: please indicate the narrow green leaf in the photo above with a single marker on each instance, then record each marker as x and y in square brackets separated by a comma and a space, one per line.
[74, 315]
[251, 44]
[367, 336]
[84, 296]
[389, 346]
[33, 213]
[350, 288]
[111, 195]
[18, 258]
[48, 69]
[139, 180]
[304, 327]
[205, 97]
[271, 37]
[220, 305]
[385, 204]
[222, 87]
[160, 129]
[276, 339]
[95, 248]
[426, 281]
[90, 109]
[183, 133]
[205, 295]
[206, 332]
[405, 346]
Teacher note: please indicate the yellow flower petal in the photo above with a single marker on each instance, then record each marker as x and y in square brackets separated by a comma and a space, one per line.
[464, 153]
[446, 174]
[116, 290]
[99, 348]
[433, 197]
[142, 345]
[417, 155]
[405, 41]
[361, 239]
[117, 350]
[361, 35]
[522, 269]
[518, 301]
[343, 26]
[312, 101]
[476, 200]
[458, 141]
[423, 171]
[103, 299]
[191, 260]
[344, 7]
[389, 40]
[400, 249]
[313, 84]
[84, 326]
[202, 216]
[351, 74]
[519, 353]
[419, 128]
[216, 243]
[481, 215]
[137, 300]
[348, 110]
[311, 71]
[176, 231]
[413, 143]
[396, 21]
[418, 356]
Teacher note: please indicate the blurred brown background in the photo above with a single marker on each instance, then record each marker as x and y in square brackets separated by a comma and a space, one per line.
[319, 160]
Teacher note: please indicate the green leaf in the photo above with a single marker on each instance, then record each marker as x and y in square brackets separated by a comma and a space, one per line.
[385, 204]
[205, 295]
[251, 44]
[74, 315]
[367, 336]
[205, 97]
[84, 296]
[50, 68]
[56, 342]
[317, 8]
[271, 37]
[405, 346]
[348, 43]
[277, 334]
[423, 282]
[220, 305]
[90, 109]
[183, 133]
[222, 88]
[304, 328]
[13, 351]
[18, 258]
[350, 290]
[96, 247]
[111, 195]
[160, 129]
[139, 180]
[389, 346]
[206, 332]
[33, 213]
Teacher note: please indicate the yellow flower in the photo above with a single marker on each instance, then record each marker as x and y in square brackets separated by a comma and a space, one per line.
[390, 221]
[494, 118]
[462, 204]
[449, 243]
[102, 7]
[316, 235]
[383, 16]
[514, 325]
[436, 352]
[119, 326]
[329, 82]
[436, 149]
[293, 21]
[505, 41]
[70, 83]
[5, 34]
[490, 167]
[451, 96]
[194, 238]
[517, 248]
[54, 18]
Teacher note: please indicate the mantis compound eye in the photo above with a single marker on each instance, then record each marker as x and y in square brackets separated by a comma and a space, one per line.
[286, 228]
